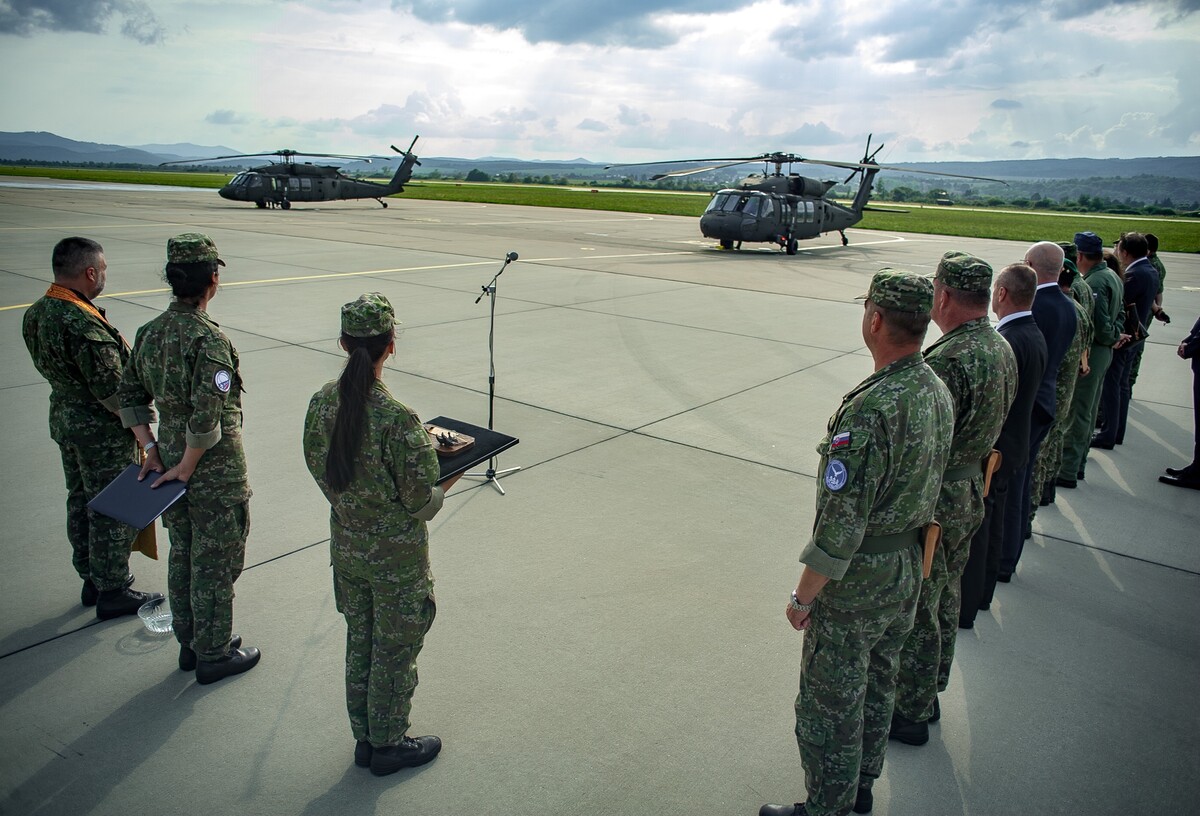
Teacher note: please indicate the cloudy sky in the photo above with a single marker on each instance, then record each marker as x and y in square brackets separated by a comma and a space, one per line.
[612, 80]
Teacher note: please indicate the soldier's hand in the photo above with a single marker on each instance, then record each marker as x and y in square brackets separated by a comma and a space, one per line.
[151, 462]
[1125, 338]
[176, 472]
[798, 620]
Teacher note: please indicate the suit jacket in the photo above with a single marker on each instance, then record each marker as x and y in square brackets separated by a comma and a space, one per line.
[1029, 347]
[1191, 347]
[1055, 316]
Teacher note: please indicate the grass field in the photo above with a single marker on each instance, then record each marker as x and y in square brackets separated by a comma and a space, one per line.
[1174, 234]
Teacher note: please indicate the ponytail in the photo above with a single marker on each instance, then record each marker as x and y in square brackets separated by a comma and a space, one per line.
[354, 386]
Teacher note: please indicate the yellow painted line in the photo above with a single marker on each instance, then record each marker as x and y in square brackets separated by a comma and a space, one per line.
[329, 275]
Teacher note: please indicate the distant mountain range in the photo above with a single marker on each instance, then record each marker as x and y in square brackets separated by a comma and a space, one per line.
[39, 146]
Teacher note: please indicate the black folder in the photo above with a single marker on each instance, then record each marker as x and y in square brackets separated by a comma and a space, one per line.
[135, 503]
[488, 443]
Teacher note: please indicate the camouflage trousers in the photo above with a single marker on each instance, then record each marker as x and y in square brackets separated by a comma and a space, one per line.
[99, 544]
[929, 650]
[1051, 454]
[208, 550]
[386, 624]
[844, 708]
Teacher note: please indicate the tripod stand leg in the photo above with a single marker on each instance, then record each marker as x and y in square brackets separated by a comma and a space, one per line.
[492, 475]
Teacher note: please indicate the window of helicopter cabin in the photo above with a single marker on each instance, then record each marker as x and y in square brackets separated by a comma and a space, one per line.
[722, 202]
[253, 180]
[238, 180]
[806, 211]
[749, 205]
[306, 184]
[293, 183]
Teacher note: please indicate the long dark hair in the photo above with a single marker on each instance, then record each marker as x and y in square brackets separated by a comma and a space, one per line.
[354, 386]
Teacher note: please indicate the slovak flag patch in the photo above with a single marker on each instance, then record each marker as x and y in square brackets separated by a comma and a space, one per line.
[840, 441]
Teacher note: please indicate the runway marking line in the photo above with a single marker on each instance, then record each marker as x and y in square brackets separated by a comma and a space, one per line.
[329, 275]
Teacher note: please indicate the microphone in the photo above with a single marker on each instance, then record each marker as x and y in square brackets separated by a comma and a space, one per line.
[510, 257]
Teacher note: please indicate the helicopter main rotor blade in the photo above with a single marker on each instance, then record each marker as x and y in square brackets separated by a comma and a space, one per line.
[733, 159]
[679, 173]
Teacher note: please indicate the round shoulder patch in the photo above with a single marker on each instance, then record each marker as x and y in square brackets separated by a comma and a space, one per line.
[836, 475]
[222, 380]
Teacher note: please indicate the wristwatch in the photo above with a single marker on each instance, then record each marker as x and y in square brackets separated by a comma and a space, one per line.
[795, 605]
[149, 446]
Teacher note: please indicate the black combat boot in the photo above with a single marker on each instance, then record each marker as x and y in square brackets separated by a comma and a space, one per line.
[89, 594]
[187, 658]
[362, 753]
[783, 810]
[234, 662]
[408, 753]
[113, 603]
[910, 732]
[864, 800]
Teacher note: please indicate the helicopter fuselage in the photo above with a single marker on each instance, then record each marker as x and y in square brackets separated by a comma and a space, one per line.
[280, 185]
[751, 215]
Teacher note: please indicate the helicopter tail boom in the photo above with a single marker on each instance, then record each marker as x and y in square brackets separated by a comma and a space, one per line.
[405, 170]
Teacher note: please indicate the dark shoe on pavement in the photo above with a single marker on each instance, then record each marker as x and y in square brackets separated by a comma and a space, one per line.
[89, 595]
[937, 710]
[1190, 470]
[963, 623]
[1004, 577]
[864, 800]
[1097, 442]
[908, 731]
[362, 753]
[1079, 476]
[409, 753]
[113, 603]
[1181, 481]
[1070, 484]
[187, 658]
[234, 662]
[783, 810]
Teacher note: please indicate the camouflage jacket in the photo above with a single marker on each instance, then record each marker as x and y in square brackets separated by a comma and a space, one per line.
[1162, 272]
[1082, 293]
[394, 477]
[187, 367]
[81, 355]
[881, 466]
[1108, 313]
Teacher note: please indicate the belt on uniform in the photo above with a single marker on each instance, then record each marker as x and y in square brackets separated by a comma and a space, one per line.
[956, 474]
[879, 544]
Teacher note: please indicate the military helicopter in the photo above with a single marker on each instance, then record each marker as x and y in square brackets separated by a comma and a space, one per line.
[784, 209]
[279, 184]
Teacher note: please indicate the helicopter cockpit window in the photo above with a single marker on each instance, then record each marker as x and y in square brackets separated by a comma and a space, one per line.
[722, 202]
[238, 180]
[750, 205]
[253, 180]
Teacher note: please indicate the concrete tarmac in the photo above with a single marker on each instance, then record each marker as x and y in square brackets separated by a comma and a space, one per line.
[610, 635]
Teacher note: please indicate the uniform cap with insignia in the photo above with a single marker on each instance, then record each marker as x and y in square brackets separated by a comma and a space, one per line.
[961, 270]
[369, 316]
[192, 247]
[900, 290]
[1088, 242]
[1070, 251]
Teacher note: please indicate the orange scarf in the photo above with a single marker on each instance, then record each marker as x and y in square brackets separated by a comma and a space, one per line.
[71, 296]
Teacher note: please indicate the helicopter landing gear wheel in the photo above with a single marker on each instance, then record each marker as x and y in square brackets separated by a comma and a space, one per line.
[791, 246]
[845, 240]
[285, 204]
[726, 243]
[382, 203]
[261, 204]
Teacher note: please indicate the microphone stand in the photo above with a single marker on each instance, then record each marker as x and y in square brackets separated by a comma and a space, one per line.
[491, 474]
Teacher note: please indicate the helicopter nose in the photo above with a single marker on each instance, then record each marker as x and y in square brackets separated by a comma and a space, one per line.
[225, 192]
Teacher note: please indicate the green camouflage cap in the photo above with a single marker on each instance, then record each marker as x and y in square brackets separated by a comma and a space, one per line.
[961, 270]
[369, 316]
[1070, 251]
[900, 290]
[192, 247]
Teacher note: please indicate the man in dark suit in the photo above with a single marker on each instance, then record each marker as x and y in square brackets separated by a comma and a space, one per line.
[1141, 287]
[1055, 316]
[1189, 476]
[1012, 298]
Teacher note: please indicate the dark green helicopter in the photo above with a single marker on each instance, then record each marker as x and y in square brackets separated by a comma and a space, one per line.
[279, 184]
[785, 208]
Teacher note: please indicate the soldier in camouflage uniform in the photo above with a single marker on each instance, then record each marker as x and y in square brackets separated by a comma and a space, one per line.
[376, 464]
[82, 355]
[1073, 367]
[187, 367]
[881, 467]
[1156, 310]
[1106, 319]
[980, 370]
